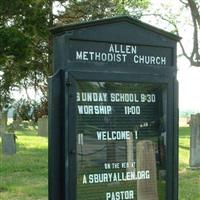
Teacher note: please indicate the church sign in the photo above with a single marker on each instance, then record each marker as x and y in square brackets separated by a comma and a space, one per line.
[120, 53]
[113, 112]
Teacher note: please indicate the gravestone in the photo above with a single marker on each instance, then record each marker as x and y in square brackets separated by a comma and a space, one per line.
[3, 123]
[9, 144]
[195, 141]
[130, 152]
[43, 126]
[146, 159]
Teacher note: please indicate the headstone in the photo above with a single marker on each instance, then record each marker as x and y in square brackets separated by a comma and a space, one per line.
[2, 129]
[43, 126]
[147, 189]
[195, 141]
[3, 123]
[9, 144]
[130, 153]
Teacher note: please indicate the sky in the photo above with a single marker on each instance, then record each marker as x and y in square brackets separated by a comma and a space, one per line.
[189, 88]
[188, 76]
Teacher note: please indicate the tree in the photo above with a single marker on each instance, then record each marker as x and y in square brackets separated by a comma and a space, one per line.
[25, 41]
[185, 16]
[194, 57]
[84, 10]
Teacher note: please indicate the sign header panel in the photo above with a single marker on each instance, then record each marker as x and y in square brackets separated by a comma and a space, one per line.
[107, 52]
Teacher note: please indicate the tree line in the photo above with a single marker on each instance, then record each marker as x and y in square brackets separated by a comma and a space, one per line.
[26, 42]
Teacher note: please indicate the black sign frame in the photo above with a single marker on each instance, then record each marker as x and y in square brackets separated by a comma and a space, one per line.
[70, 135]
[62, 88]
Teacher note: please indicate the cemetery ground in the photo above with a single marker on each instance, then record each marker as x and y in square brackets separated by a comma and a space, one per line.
[24, 176]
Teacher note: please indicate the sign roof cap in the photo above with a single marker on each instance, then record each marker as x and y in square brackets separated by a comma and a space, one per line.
[75, 26]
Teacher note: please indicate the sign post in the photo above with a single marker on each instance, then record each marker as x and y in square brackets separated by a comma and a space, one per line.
[113, 112]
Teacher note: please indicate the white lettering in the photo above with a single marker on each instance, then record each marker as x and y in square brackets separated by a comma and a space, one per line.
[152, 60]
[123, 97]
[132, 110]
[149, 60]
[118, 177]
[120, 195]
[111, 49]
[85, 55]
[78, 96]
[163, 61]
[94, 110]
[113, 135]
[122, 49]
[84, 179]
[91, 55]
[150, 98]
[79, 55]
[116, 50]
[91, 97]
[118, 53]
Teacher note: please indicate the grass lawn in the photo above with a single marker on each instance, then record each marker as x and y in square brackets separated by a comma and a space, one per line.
[189, 180]
[24, 175]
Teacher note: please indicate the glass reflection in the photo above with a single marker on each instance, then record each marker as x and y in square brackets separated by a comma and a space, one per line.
[121, 141]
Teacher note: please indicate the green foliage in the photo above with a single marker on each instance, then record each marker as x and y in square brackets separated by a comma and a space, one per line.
[40, 109]
[133, 8]
[84, 10]
[24, 110]
[189, 180]
[25, 41]
[12, 43]
[24, 48]
[30, 110]
[179, 17]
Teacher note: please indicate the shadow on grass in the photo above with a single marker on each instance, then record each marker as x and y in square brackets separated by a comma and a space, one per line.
[184, 147]
[24, 175]
[26, 132]
[3, 189]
